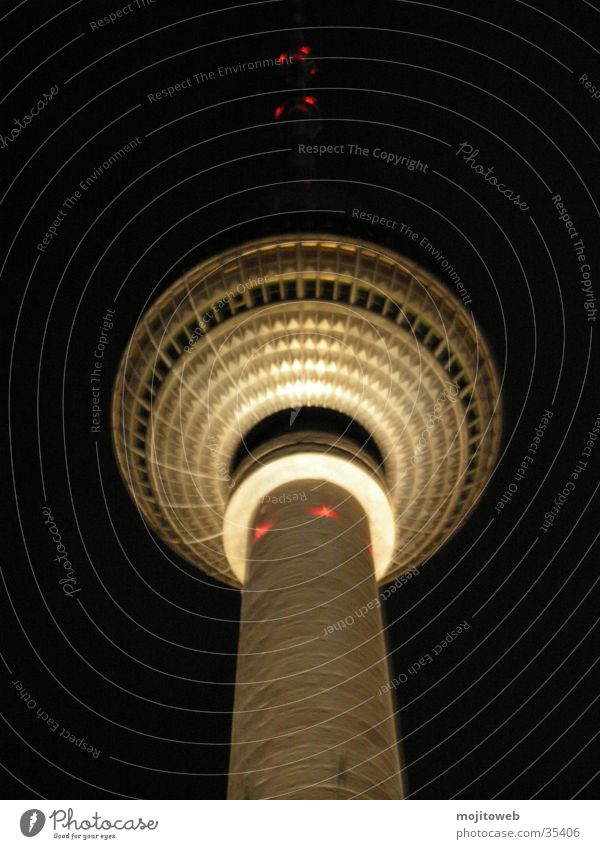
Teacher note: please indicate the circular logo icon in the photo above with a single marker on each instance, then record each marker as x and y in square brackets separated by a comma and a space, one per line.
[32, 822]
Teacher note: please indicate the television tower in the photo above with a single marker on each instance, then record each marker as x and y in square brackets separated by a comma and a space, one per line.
[307, 418]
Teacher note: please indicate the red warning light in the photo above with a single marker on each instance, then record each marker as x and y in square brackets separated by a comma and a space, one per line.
[301, 57]
[261, 530]
[298, 108]
[324, 510]
[298, 55]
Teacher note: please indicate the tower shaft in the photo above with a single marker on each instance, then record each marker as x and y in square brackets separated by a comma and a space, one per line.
[311, 719]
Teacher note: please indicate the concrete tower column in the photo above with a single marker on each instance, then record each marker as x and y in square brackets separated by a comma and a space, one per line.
[310, 720]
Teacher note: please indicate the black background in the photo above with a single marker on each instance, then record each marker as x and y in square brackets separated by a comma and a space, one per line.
[141, 661]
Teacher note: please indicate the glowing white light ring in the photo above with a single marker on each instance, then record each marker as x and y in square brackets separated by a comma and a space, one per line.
[309, 466]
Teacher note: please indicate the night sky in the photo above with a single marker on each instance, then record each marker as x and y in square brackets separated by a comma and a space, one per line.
[130, 664]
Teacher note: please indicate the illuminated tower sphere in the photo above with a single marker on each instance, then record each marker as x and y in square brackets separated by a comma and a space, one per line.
[306, 418]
